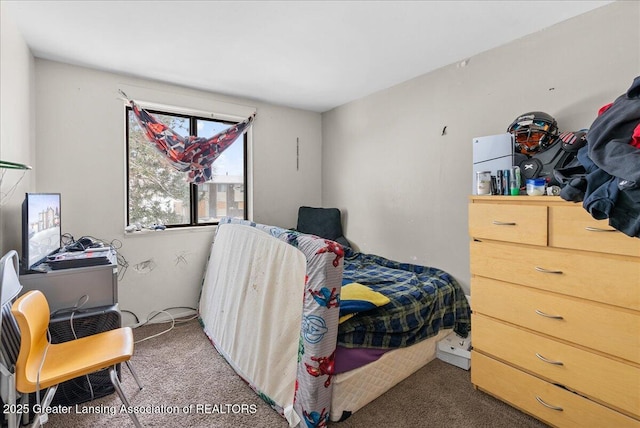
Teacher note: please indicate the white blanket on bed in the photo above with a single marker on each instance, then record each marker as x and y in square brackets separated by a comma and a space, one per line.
[247, 308]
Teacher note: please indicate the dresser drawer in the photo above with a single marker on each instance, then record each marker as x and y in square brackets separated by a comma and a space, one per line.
[603, 379]
[513, 223]
[552, 404]
[573, 227]
[608, 279]
[595, 326]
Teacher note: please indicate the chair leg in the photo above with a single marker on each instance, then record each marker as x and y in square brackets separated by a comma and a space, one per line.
[12, 419]
[113, 374]
[42, 418]
[24, 400]
[8, 384]
[135, 375]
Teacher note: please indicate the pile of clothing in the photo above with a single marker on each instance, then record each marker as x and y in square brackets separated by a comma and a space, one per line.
[609, 182]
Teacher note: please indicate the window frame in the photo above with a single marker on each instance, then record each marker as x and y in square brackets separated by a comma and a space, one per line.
[193, 118]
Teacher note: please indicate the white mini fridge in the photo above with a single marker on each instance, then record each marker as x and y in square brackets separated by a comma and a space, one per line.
[492, 153]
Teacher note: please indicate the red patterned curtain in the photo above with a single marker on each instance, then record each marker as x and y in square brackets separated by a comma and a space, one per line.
[194, 155]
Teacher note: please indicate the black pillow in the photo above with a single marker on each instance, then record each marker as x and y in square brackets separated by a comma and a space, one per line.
[323, 222]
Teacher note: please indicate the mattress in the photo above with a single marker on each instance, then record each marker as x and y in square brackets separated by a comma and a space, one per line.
[249, 309]
[422, 301]
[229, 309]
[356, 388]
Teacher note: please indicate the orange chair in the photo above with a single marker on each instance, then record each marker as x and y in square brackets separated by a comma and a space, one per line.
[42, 364]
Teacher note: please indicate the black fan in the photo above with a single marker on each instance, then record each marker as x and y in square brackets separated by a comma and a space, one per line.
[65, 326]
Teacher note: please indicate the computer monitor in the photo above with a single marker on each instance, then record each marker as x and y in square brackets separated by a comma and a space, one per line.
[41, 231]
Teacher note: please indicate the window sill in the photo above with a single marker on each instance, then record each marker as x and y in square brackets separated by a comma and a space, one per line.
[172, 231]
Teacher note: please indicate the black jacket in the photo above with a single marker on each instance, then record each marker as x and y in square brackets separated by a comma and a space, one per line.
[611, 186]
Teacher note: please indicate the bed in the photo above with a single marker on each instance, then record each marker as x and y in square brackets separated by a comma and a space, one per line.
[316, 329]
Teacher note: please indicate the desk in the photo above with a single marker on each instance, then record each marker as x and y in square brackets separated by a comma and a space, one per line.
[98, 312]
[66, 288]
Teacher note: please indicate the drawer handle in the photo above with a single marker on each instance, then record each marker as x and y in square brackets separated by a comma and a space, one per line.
[543, 270]
[597, 229]
[555, 317]
[504, 223]
[555, 363]
[541, 401]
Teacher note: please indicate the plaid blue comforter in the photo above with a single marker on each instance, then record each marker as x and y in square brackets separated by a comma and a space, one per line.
[423, 301]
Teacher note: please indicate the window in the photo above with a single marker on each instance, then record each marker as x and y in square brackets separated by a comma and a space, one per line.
[159, 194]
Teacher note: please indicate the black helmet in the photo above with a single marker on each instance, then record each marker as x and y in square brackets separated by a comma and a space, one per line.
[533, 132]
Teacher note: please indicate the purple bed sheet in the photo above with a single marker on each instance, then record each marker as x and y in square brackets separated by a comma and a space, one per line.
[347, 359]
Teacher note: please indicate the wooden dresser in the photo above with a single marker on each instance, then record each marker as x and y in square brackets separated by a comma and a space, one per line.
[556, 311]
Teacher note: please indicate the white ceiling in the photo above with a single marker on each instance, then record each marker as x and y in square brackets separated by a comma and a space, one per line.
[313, 55]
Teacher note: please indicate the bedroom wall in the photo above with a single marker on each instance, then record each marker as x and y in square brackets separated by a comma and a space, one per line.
[81, 154]
[403, 183]
[17, 127]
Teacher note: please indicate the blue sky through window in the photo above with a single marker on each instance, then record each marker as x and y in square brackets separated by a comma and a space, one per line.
[231, 161]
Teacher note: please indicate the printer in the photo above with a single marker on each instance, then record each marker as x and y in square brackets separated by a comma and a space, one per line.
[492, 153]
